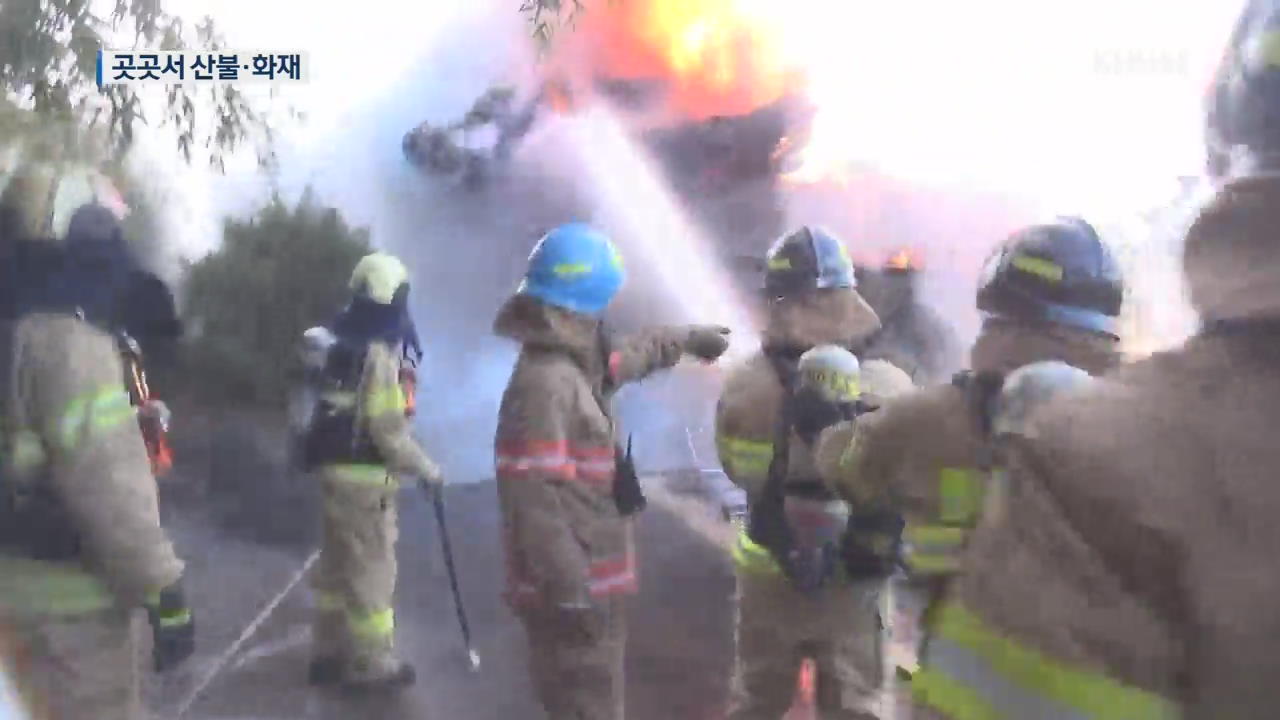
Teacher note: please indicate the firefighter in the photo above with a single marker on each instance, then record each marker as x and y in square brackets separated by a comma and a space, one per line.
[912, 335]
[565, 489]
[1131, 570]
[361, 444]
[81, 545]
[1051, 292]
[834, 621]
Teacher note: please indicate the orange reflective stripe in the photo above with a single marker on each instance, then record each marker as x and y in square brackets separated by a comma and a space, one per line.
[613, 576]
[592, 466]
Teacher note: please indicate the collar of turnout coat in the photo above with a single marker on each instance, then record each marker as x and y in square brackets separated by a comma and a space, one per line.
[838, 316]
[535, 324]
[1003, 346]
[1232, 254]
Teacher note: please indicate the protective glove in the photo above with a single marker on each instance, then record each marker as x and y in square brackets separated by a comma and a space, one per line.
[812, 412]
[707, 342]
[873, 543]
[173, 627]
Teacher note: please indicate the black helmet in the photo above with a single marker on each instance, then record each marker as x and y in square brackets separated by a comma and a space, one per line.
[1059, 273]
[807, 259]
[1242, 133]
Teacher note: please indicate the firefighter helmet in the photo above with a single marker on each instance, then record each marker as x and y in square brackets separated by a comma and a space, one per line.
[1030, 387]
[1060, 273]
[380, 277]
[1242, 130]
[576, 267]
[833, 371]
[807, 259]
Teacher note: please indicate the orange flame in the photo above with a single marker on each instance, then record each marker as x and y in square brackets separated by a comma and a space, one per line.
[718, 57]
[903, 259]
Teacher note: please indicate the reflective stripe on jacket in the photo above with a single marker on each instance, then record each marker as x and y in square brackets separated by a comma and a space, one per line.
[73, 428]
[970, 672]
[936, 547]
[381, 408]
[565, 540]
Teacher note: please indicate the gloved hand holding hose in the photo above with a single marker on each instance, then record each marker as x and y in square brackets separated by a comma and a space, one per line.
[173, 627]
[707, 342]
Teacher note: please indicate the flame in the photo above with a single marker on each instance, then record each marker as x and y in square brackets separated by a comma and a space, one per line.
[559, 94]
[903, 259]
[718, 57]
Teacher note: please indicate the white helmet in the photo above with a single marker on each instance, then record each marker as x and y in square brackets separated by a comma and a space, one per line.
[833, 370]
[1031, 387]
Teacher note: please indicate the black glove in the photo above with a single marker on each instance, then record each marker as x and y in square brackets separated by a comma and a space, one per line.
[873, 543]
[812, 413]
[173, 628]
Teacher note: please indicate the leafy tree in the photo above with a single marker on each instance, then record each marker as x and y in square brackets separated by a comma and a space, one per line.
[48, 66]
[247, 305]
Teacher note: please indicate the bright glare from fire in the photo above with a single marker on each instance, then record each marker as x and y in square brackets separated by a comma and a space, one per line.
[1086, 102]
[722, 57]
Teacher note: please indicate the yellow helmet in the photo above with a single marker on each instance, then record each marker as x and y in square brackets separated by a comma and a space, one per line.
[378, 277]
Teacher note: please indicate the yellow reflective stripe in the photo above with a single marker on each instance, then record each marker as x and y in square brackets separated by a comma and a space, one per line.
[960, 493]
[752, 557]
[566, 270]
[746, 457]
[384, 401]
[926, 564]
[935, 535]
[28, 451]
[1039, 267]
[372, 627]
[936, 690]
[93, 412]
[934, 549]
[177, 619]
[34, 587]
[1005, 669]
[361, 474]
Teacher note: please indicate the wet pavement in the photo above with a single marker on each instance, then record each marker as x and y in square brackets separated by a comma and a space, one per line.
[678, 655]
[253, 605]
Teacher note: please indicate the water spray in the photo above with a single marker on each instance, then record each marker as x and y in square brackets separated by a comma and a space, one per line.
[634, 203]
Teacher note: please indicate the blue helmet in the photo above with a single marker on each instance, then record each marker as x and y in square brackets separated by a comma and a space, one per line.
[807, 259]
[1060, 273]
[575, 267]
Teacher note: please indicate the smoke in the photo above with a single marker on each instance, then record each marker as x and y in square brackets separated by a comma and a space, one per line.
[466, 250]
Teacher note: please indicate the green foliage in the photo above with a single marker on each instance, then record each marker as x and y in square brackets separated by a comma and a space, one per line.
[247, 304]
[48, 65]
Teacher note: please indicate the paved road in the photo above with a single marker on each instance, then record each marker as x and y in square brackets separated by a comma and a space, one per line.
[678, 660]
